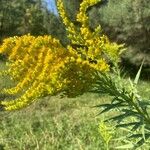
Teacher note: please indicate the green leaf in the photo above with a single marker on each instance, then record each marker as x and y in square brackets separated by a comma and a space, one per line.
[142, 141]
[126, 124]
[139, 135]
[136, 126]
[110, 107]
[138, 73]
[125, 146]
[143, 131]
[119, 118]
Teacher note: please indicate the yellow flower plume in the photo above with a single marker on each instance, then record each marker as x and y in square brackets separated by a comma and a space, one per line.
[41, 66]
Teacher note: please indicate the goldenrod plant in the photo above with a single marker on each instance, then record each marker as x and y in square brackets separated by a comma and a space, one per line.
[42, 66]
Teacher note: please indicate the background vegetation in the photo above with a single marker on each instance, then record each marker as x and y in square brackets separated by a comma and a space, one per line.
[19, 17]
[58, 124]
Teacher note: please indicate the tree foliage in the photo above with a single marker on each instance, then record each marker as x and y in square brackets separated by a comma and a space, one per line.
[19, 17]
[127, 21]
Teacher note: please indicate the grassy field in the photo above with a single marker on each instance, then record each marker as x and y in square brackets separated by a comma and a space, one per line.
[57, 124]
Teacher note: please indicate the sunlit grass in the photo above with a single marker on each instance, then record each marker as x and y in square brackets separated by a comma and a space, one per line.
[53, 123]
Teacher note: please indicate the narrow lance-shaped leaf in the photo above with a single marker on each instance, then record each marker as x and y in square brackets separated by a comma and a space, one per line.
[138, 73]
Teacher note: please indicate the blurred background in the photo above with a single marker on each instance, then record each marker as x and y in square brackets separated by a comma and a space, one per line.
[125, 21]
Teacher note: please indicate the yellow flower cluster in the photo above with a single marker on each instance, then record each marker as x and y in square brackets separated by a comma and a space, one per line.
[82, 16]
[90, 44]
[42, 66]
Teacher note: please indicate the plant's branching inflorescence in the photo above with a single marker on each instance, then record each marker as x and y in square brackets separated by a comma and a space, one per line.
[42, 66]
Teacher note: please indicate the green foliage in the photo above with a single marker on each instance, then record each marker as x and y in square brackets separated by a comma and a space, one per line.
[57, 29]
[19, 17]
[106, 133]
[133, 111]
[138, 73]
[126, 21]
[72, 7]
